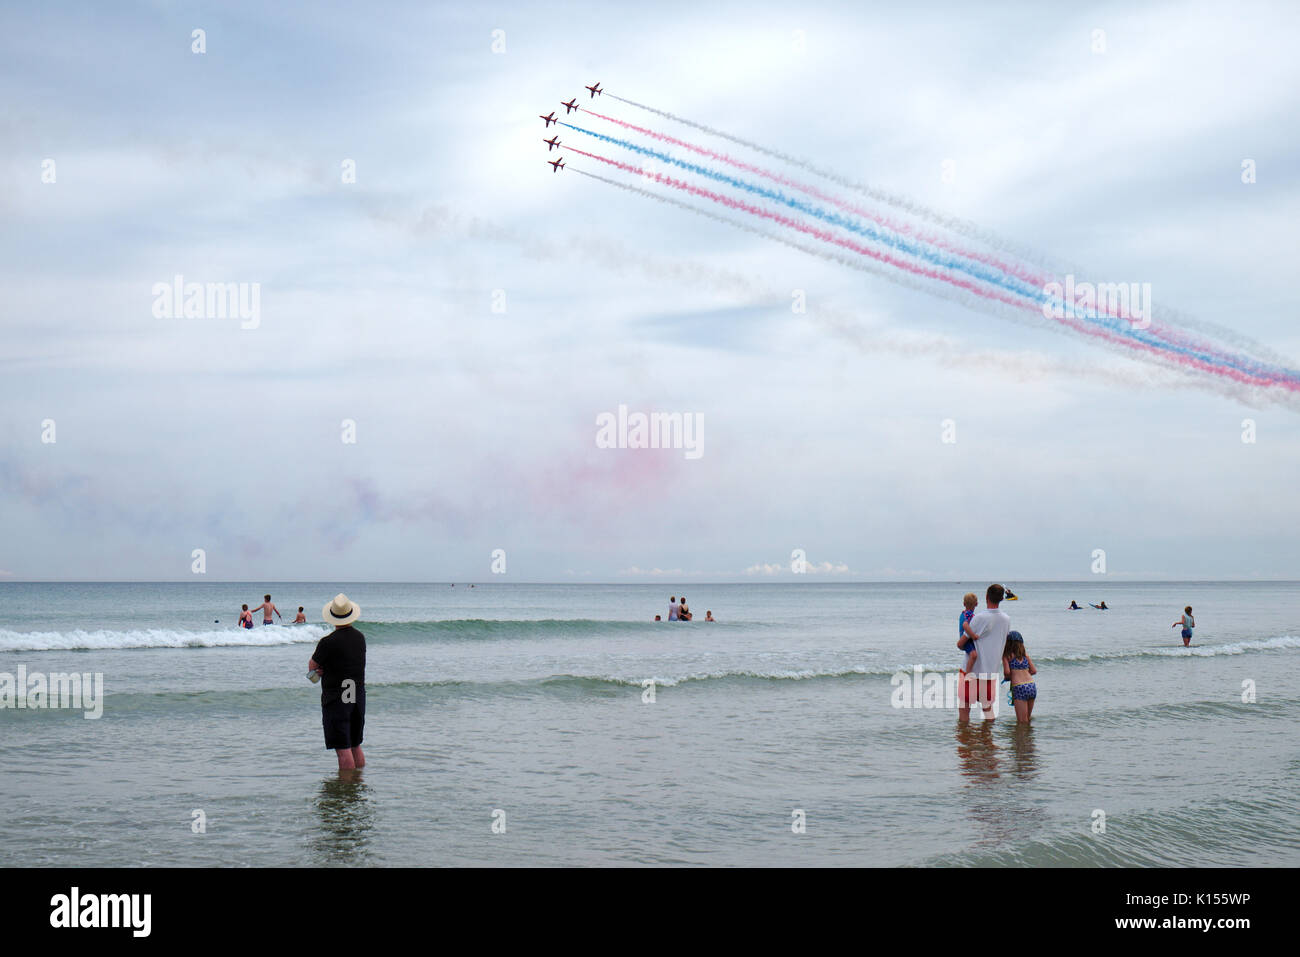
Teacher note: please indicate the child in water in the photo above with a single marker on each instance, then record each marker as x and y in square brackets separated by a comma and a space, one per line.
[1019, 668]
[966, 637]
[245, 618]
[1188, 623]
[301, 619]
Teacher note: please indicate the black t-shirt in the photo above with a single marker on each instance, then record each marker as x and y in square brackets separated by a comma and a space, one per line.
[341, 654]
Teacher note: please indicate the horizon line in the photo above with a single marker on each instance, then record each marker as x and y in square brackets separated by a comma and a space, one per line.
[765, 581]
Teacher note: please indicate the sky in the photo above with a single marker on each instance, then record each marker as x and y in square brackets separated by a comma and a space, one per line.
[436, 340]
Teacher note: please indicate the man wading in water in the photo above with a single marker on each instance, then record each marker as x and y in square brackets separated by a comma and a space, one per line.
[991, 627]
[339, 663]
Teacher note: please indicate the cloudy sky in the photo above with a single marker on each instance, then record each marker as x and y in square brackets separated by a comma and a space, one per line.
[473, 313]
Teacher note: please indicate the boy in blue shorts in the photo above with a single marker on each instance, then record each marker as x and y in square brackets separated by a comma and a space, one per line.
[966, 637]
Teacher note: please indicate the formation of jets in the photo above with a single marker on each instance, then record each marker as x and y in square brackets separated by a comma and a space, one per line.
[548, 119]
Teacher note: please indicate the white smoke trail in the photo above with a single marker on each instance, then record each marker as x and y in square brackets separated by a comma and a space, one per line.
[847, 324]
[1173, 317]
[1160, 372]
[1023, 366]
[954, 224]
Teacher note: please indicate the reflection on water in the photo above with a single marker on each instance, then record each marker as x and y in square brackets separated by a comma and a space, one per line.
[976, 752]
[998, 796]
[1024, 760]
[347, 819]
[977, 755]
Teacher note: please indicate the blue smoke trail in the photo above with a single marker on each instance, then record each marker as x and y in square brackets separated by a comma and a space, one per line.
[953, 264]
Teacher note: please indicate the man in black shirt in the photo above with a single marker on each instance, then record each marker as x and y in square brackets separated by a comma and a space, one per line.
[340, 658]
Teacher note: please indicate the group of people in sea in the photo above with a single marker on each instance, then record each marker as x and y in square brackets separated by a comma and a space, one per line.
[988, 643]
[978, 636]
[986, 639]
[679, 611]
[267, 608]
[1187, 622]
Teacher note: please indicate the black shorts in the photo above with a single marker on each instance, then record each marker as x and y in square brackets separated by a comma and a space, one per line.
[344, 722]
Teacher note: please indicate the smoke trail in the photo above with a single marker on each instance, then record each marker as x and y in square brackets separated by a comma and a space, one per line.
[953, 223]
[1255, 365]
[902, 228]
[611, 253]
[1153, 338]
[1168, 317]
[1023, 366]
[814, 231]
[985, 274]
[904, 279]
[1159, 353]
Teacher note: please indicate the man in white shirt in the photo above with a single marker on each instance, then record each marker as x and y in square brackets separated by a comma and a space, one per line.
[991, 626]
[673, 608]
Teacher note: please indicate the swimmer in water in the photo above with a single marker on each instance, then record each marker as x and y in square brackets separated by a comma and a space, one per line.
[301, 619]
[1188, 623]
[708, 616]
[266, 608]
[245, 618]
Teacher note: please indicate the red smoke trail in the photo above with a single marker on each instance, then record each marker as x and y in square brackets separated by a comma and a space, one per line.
[1171, 334]
[821, 234]
[826, 236]
[1011, 269]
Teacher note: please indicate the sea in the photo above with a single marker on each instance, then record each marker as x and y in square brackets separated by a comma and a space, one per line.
[558, 725]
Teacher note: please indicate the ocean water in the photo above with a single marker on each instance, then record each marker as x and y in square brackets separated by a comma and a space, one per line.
[525, 705]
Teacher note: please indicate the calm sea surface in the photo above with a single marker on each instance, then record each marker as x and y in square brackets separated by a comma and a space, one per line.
[530, 700]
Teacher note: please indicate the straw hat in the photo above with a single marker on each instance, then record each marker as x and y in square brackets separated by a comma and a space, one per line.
[341, 611]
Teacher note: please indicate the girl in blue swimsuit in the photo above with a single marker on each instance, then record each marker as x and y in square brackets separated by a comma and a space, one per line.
[1019, 669]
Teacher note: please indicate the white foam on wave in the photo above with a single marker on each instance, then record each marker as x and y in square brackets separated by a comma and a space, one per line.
[80, 640]
[1197, 651]
[788, 675]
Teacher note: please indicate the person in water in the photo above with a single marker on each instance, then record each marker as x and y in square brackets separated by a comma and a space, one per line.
[301, 619]
[684, 613]
[657, 618]
[340, 660]
[991, 627]
[708, 616]
[966, 637]
[245, 618]
[673, 608]
[1074, 605]
[1188, 623]
[1019, 669]
[266, 608]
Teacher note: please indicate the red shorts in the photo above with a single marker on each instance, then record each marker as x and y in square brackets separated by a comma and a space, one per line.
[973, 692]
